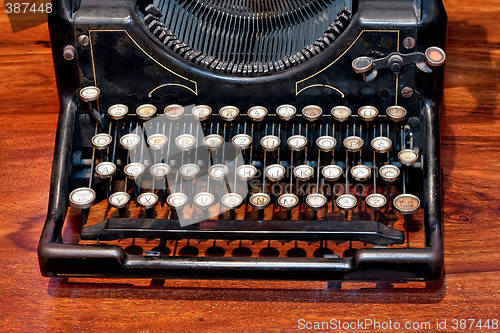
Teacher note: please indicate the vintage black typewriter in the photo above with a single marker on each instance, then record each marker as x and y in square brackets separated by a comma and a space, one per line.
[247, 139]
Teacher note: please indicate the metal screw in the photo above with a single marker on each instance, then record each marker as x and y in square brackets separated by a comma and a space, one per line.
[69, 52]
[85, 119]
[406, 92]
[409, 43]
[83, 40]
[413, 122]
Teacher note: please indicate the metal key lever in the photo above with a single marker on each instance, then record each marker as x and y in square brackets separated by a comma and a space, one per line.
[426, 62]
[89, 95]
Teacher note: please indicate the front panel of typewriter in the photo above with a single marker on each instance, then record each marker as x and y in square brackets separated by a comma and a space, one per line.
[250, 139]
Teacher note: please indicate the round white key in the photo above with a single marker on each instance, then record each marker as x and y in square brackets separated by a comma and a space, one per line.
[130, 141]
[286, 111]
[134, 170]
[232, 200]
[159, 170]
[353, 143]
[185, 141]
[229, 113]
[389, 173]
[105, 169]
[146, 111]
[381, 144]
[303, 172]
[341, 113]
[147, 200]
[332, 172]
[316, 201]
[406, 203]
[326, 143]
[275, 172]
[117, 111]
[368, 113]
[361, 172]
[119, 199]
[82, 198]
[260, 200]
[157, 141]
[246, 172]
[242, 141]
[213, 141]
[270, 142]
[408, 157]
[376, 201]
[297, 142]
[177, 200]
[204, 199]
[173, 111]
[257, 113]
[396, 113]
[347, 202]
[202, 112]
[189, 171]
[288, 201]
[101, 141]
[312, 112]
[218, 171]
[90, 93]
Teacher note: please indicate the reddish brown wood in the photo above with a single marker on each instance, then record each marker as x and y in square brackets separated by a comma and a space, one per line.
[470, 160]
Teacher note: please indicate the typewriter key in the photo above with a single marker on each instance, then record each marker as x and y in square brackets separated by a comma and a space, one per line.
[146, 111]
[82, 198]
[242, 141]
[202, 112]
[361, 172]
[159, 170]
[218, 171]
[101, 141]
[134, 170]
[173, 111]
[303, 172]
[434, 56]
[312, 112]
[275, 172]
[246, 172]
[177, 200]
[362, 65]
[288, 201]
[376, 201]
[157, 141]
[341, 113]
[381, 144]
[260, 200]
[389, 173]
[408, 156]
[189, 171]
[119, 199]
[229, 113]
[297, 142]
[232, 200]
[213, 141]
[353, 143]
[147, 200]
[326, 143]
[332, 172]
[286, 111]
[130, 141]
[396, 113]
[406, 203]
[346, 202]
[316, 201]
[204, 199]
[257, 113]
[270, 142]
[105, 169]
[185, 141]
[368, 113]
[89, 94]
[117, 111]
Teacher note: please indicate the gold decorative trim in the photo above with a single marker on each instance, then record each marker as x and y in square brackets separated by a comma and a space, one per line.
[321, 85]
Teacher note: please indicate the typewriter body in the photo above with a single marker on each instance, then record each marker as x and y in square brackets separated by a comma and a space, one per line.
[247, 139]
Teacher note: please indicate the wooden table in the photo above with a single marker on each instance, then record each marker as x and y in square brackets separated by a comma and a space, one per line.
[471, 164]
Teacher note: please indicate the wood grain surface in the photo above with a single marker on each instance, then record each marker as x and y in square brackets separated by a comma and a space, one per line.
[470, 161]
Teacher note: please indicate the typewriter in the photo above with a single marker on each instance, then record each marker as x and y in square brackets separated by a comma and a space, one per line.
[247, 139]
